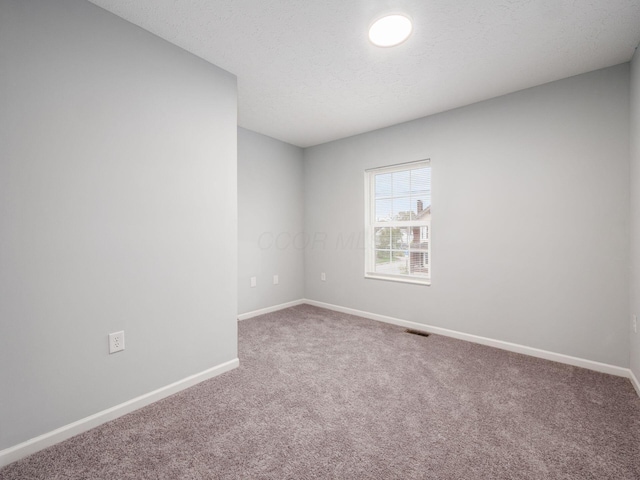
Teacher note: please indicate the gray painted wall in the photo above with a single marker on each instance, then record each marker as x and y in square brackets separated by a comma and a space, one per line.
[119, 211]
[530, 218]
[270, 221]
[634, 338]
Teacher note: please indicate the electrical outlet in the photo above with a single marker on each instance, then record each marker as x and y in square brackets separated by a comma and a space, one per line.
[323, 277]
[253, 282]
[635, 324]
[116, 342]
[275, 280]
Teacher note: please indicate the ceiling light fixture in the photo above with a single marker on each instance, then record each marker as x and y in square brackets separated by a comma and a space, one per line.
[390, 30]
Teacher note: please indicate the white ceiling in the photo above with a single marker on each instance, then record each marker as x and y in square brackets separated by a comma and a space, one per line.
[307, 73]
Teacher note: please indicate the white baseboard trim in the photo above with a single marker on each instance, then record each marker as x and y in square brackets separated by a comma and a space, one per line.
[512, 347]
[634, 381]
[40, 442]
[275, 308]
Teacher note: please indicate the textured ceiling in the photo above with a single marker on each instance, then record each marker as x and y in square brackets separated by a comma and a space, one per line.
[307, 73]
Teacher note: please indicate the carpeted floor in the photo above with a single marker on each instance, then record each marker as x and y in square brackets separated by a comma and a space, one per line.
[320, 394]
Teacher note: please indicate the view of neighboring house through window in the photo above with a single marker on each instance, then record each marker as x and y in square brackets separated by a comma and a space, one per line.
[398, 222]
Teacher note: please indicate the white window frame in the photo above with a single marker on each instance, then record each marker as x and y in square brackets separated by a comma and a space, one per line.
[370, 225]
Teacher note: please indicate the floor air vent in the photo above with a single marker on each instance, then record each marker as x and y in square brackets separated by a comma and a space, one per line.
[416, 332]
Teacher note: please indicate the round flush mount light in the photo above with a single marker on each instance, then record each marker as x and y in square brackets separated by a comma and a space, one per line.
[390, 30]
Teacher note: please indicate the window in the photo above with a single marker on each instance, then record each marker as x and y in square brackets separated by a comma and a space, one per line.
[398, 222]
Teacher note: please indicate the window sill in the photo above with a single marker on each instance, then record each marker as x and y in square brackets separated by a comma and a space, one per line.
[398, 279]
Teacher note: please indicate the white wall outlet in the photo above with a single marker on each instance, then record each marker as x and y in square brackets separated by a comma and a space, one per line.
[253, 282]
[116, 342]
[635, 323]
[323, 277]
[275, 280]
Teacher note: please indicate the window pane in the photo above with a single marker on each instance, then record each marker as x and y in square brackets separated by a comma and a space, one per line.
[421, 181]
[382, 257]
[414, 237]
[399, 238]
[384, 210]
[419, 264]
[418, 238]
[402, 208]
[420, 207]
[392, 262]
[424, 234]
[401, 183]
[383, 185]
[383, 238]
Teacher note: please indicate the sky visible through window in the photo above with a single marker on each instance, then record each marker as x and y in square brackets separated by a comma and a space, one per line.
[398, 194]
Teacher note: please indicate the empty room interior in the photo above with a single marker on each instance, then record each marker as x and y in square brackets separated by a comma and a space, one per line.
[339, 239]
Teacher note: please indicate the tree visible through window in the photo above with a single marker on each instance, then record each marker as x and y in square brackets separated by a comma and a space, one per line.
[398, 222]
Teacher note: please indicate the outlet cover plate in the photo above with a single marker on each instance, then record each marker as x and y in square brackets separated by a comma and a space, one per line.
[116, 341]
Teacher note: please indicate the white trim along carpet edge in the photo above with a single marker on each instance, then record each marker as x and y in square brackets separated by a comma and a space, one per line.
[21, 450]
[512, 347]
[275, 308]
[634, 381]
